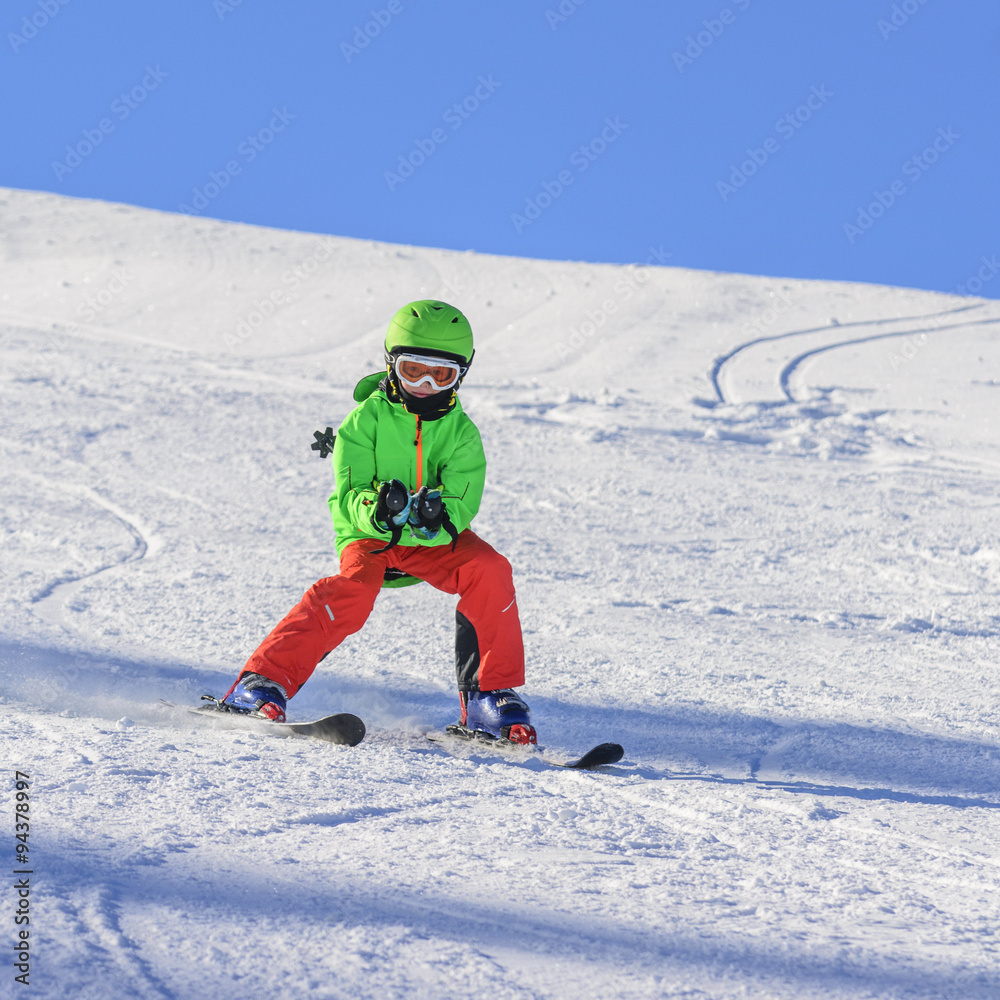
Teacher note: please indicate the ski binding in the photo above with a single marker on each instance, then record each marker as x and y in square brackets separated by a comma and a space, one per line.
[598, 756]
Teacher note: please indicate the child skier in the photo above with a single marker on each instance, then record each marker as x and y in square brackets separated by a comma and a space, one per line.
[410, 472]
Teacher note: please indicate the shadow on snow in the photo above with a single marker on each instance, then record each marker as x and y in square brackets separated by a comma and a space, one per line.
[680, 743]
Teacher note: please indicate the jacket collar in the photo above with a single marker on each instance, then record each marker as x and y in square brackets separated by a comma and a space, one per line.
[429, 408]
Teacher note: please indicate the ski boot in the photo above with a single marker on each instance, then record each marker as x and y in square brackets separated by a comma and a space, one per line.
[501, 715]
[254, 694]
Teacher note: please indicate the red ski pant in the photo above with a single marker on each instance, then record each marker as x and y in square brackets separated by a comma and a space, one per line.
[490, 651]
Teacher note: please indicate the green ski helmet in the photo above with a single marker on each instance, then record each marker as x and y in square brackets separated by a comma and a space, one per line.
[431, 327]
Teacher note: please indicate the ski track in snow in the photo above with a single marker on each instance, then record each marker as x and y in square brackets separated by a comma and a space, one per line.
[785, 377]
[829, 337]
[781, 600]
[50, 600]
[757, 402]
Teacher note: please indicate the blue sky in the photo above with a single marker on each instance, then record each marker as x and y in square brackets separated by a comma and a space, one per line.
[849, 140]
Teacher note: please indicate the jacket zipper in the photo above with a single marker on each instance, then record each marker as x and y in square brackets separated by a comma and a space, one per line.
[420, 456]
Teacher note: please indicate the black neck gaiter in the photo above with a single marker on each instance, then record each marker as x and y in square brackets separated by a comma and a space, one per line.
[427, 408]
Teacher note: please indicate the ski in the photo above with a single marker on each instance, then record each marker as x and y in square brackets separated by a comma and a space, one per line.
[603, 753]
[343, 729]
[598, 756]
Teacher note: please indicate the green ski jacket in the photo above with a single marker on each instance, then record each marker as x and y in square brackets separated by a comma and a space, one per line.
[380, 440]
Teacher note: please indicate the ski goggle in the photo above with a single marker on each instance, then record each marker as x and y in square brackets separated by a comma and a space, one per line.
[415, 370]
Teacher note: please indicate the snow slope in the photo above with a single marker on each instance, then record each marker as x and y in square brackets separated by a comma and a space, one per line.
[754, 525]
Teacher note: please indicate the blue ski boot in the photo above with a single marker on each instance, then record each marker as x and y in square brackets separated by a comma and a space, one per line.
[254, 694]
[501, 714]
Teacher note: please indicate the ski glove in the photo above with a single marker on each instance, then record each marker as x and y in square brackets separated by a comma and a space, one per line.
[423, 511]
[392, 509]
[426, 514]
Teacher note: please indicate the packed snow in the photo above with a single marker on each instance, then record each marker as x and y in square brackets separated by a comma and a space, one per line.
[754, 527]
